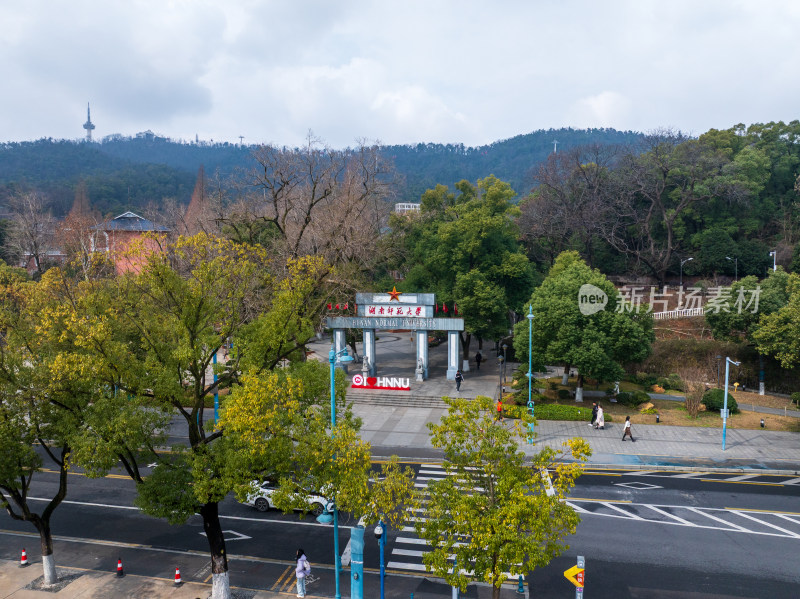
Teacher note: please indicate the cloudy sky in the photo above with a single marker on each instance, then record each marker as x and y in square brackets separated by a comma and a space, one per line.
[401, 71]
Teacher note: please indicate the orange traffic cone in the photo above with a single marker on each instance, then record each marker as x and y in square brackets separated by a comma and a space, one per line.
[178, 580]
[23, 561]
[120, 572]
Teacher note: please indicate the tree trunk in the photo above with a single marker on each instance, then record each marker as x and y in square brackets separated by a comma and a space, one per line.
[220, 583]
[579, 388]
[48, 562]
[565, 376]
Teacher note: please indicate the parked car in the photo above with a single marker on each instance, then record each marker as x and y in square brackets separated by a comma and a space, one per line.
[261, 499]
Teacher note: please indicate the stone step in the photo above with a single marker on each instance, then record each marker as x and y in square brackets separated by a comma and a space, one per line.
[395, 398]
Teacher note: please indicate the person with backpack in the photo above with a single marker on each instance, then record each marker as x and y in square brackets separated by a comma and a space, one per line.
[459, 379]
[301, 571]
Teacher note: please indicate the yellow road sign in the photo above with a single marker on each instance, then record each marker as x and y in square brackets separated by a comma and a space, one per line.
[575, 575]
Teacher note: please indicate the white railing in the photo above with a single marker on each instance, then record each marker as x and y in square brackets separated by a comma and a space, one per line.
[686, 312]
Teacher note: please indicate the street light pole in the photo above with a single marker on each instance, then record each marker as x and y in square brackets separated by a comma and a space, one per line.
[380, 532]
[682, 263]
[505, 358]
[735, 265]
[333, 357]
[728, 363]
[530, 366]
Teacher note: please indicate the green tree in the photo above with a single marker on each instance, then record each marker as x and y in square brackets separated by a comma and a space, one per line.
[777, 332]
[464, 248]
[496, 511]
[162, 328]
[597, 344]
[52, 394]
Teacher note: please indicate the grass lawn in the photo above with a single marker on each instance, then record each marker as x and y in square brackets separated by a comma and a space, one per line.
[674, 413]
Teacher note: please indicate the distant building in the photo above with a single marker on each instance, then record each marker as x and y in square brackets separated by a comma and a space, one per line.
[118, 235]
[403, 207]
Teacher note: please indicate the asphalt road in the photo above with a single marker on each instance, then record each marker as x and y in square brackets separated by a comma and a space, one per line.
[655, 535]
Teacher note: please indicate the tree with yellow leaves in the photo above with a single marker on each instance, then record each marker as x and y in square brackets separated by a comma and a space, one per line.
[496, 512]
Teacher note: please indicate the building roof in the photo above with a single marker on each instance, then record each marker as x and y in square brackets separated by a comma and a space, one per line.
[128, 221]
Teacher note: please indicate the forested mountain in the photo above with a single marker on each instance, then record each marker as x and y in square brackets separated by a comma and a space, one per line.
[128, 173]
[511, 160]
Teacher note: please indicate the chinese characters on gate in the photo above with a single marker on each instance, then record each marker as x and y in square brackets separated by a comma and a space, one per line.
[398, 310]
[713, 299]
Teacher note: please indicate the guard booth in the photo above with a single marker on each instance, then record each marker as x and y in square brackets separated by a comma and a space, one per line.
[398, 310]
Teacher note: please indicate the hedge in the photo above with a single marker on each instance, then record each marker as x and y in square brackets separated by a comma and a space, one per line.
[559, 412]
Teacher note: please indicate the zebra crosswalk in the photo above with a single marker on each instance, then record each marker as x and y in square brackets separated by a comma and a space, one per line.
[408, 549]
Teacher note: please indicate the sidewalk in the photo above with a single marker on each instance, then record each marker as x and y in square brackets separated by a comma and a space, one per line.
[76, 583]
[402, 430]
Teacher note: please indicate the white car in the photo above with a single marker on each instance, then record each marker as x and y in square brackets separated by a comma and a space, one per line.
[261, 499]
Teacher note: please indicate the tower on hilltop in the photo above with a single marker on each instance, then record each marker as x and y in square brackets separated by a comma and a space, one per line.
[88, 125]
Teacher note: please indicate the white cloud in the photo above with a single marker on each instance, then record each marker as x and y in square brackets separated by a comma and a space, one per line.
[450, 71]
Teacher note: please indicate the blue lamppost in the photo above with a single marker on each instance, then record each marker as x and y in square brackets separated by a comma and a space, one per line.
[335, 357]
[216, 390]
[380, 533]
[728, 363]
[530, 366]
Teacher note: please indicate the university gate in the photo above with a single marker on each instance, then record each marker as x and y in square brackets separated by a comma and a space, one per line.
[398, 310]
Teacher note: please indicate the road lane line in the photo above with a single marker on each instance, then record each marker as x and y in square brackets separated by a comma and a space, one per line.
[707, 515]
[688, 475]
[578, 509]
[754, 519]
[791, 481]
[119, 507]
[742, 477]
[280, 578]
[620, 510]
[668, 515]
[409, 552]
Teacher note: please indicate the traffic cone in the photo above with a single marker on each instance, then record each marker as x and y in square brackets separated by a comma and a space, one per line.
[178, 580]
[23, 561]
[120, 572]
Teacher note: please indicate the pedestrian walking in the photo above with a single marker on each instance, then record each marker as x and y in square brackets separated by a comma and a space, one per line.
[459, 378]
[301, 571]
[627, 432]
[600, 421]
[594, 413]
[500, 409]
[478, 358]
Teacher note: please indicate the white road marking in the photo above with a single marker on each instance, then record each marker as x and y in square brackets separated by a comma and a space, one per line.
[754, 519]
[742, 477]
[239, 536]
[668, 515]
[620, 510]
[707, 515]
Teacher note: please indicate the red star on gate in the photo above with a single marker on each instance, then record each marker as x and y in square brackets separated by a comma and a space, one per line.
[394, 294]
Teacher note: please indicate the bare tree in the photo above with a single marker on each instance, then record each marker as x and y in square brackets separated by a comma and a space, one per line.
[695, 382]
[314, 200]
[30, 239]
[567, 208]
[656, 188]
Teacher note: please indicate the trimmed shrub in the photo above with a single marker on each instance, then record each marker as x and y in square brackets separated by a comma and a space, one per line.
[564, 394]
[559, 412]
[796, 398]
[714, 400]
[633, 399]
